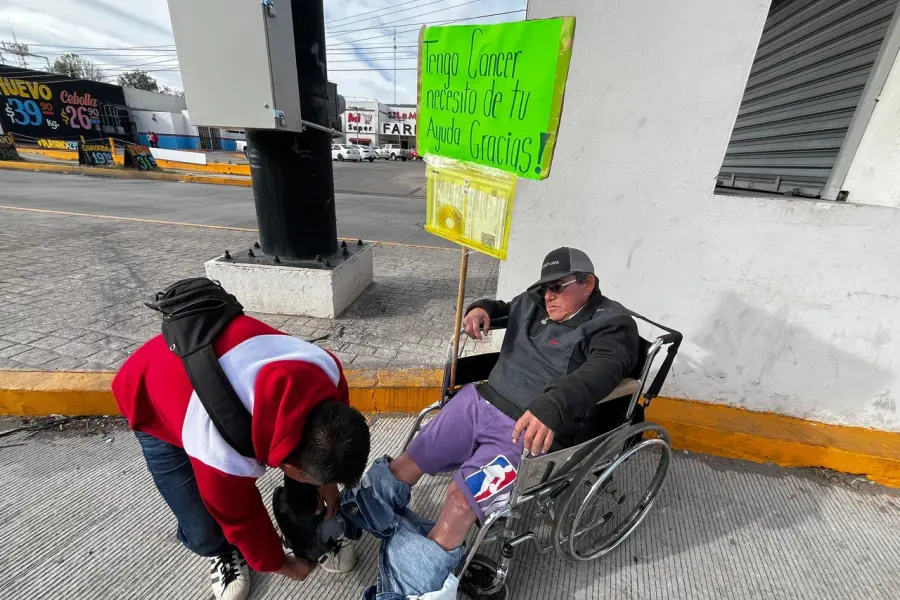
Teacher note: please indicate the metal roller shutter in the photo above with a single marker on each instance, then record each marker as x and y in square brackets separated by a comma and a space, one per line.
[813, 62]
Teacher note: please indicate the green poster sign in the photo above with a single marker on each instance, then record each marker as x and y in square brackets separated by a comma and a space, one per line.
[492, 94]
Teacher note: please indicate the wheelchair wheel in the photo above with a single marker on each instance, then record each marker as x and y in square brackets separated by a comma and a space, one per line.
[607, 501]
[479, 577]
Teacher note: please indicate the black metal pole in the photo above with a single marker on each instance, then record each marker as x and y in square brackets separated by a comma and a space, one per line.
[291, 173]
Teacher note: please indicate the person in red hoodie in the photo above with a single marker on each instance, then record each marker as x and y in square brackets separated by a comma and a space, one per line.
[301, 423]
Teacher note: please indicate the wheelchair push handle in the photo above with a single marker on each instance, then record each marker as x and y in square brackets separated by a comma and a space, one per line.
[671, 338]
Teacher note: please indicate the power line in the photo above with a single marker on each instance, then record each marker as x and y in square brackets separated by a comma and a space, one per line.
[371, 69]
[376, 11]
[377, 48]
[372, 14]
[330, 62]
[410, 17]
[132, 64]
[172, 46]
[444, 22]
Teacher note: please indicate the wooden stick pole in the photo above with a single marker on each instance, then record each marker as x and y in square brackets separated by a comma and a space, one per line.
[460, 298]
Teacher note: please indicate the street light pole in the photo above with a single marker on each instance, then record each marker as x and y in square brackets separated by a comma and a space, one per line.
[395, 65]
[286, 106]
[291, 173]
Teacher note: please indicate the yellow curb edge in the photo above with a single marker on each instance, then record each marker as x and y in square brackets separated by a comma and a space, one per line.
[694, 426]
[123, 173]
[216, 168]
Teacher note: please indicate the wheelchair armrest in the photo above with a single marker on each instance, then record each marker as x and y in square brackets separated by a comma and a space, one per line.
[672, 338]
[496, 323]
[627, 387]
[499, 323]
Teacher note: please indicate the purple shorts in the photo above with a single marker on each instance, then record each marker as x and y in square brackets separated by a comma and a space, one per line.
[470, 437]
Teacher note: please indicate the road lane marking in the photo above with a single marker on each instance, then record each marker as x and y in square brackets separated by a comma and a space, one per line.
[198, 225]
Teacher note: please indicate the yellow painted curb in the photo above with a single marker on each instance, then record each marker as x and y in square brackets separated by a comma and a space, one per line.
[57, 154]
[211, 168]
[787, 441]
[395, 391]
[695, 426]
[34, 393]
[124, 173]
[38, 393]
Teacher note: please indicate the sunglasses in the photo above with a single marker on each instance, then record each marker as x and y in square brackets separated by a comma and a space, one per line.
[556, 288]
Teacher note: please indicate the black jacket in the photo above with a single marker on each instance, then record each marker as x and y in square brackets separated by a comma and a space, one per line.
[561, 371]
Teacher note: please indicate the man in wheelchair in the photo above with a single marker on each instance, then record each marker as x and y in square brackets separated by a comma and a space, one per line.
[566, 347]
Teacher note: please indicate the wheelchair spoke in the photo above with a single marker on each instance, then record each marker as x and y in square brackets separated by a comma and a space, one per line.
[599, 516]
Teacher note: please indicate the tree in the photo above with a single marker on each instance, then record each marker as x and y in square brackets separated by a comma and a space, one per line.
[172, 91]
[78, 67]
[138, 80]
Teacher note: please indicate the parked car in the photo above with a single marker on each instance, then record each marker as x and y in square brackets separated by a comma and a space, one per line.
[392, 152]
[344, 152]
[414, 155]
[367, 153]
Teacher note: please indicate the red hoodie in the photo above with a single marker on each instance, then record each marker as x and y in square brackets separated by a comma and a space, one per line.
[278, 378]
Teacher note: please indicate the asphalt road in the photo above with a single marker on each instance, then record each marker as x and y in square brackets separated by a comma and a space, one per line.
[397, 178]
[377, 216]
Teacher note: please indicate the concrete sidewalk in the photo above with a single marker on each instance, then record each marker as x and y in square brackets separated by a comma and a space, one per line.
[81, 519]
[72, 291]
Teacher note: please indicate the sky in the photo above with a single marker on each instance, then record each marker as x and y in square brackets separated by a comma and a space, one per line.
[136, 34]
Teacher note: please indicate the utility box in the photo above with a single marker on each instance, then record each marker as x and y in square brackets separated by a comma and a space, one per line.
[238, 63]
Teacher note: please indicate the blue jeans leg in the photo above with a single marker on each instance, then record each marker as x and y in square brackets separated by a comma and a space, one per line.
[174, 477]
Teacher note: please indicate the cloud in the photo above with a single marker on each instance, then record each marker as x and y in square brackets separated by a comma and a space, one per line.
[359, 36]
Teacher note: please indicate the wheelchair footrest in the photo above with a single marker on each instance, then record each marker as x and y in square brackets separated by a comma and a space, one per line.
[480, 576]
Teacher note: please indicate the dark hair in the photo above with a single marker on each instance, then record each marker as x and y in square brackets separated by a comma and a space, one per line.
[582, 277]
[335, 445]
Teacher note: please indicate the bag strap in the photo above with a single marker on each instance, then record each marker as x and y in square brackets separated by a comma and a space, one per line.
[222, 404]
[195, 312]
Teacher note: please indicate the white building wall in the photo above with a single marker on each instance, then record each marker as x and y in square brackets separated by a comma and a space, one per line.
[145, 100]
[874, 175]
[790, 306]
[164, 123]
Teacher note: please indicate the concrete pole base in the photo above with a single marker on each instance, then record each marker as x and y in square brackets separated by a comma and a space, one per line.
[323, 292]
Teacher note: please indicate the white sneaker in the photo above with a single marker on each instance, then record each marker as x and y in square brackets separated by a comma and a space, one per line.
[343, 560]
[230, 576]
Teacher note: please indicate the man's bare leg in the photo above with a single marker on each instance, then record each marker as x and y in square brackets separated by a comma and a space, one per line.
[455, 521]
[456, 517]
[406, 470]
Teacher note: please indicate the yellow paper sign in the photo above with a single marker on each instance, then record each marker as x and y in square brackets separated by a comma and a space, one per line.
[469, 204]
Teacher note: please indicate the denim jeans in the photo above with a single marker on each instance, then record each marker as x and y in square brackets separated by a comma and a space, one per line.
[410, 565]
[174, 477]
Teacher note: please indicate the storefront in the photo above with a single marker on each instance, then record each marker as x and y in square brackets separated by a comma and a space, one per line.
[35, 104]
[361, 127]
[368, 122]
[399, 126]
[360, 121]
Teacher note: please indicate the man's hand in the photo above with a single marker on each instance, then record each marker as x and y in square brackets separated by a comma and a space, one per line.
[476, 321]
[329, 499]
[295, 568]
[538, 437]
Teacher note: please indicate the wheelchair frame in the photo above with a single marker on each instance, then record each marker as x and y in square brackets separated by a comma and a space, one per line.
[552, 480]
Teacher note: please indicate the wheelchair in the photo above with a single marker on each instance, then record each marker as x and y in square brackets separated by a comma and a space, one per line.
[577, 502]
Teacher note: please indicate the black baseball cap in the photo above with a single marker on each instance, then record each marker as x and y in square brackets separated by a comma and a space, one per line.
[562, 262]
